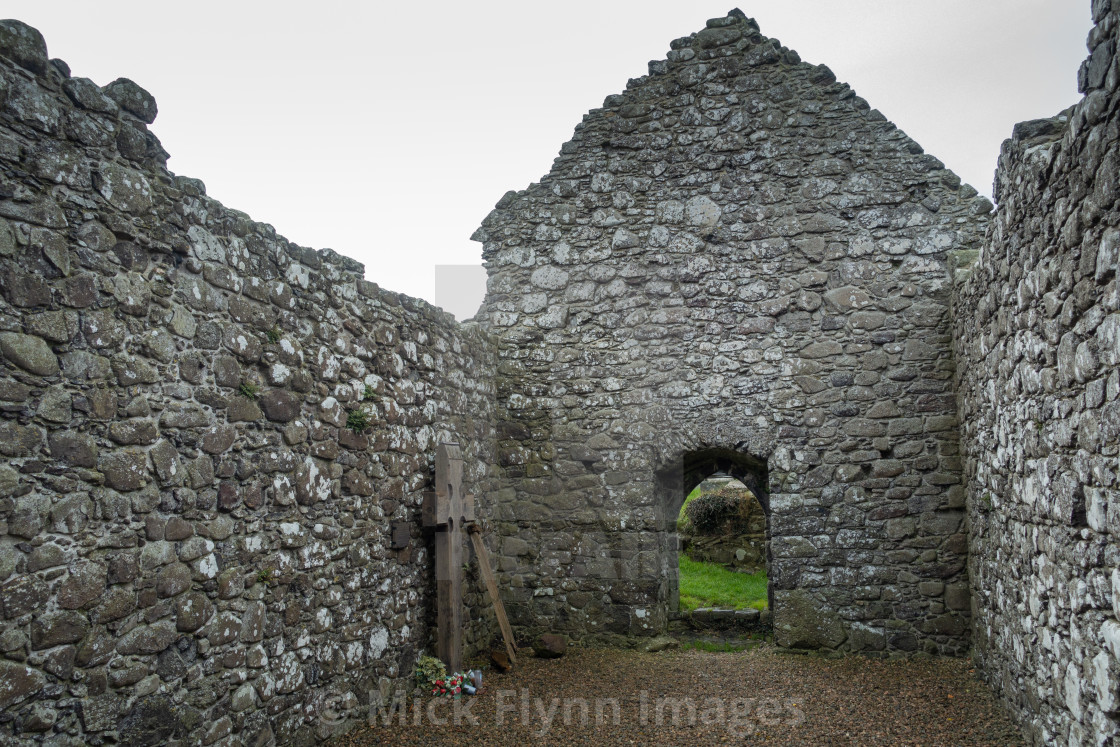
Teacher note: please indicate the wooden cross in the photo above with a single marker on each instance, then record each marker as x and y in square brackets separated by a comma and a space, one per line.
[449, 511]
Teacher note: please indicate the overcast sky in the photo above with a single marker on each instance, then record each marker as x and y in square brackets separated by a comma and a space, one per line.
[387, 131]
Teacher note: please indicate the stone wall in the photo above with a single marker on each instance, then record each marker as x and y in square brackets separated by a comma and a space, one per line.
[1038, 346]
[215, 442]
[193, 542]
[736, 260]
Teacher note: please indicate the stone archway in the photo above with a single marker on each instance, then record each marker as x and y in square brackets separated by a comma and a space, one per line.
[677, 480]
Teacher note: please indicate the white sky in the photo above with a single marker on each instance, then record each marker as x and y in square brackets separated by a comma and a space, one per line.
[387, 131]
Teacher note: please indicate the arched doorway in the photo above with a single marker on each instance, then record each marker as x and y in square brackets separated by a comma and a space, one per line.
[678, 481]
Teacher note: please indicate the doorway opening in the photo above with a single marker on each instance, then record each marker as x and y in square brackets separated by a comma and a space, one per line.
[722, 556]
[718, 506]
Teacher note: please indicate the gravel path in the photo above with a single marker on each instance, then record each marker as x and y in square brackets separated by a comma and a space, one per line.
[760, 696]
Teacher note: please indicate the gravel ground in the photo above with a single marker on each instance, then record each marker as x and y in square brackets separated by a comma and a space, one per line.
[759, 696]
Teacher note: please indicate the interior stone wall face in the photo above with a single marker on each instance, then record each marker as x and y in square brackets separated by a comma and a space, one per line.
[1038, 346]
[735, 254]
[735, 265]
[193, 544]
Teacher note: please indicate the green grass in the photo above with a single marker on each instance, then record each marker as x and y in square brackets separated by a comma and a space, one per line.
[709, 585]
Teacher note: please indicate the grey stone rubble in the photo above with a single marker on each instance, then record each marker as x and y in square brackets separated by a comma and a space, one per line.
[734, 266]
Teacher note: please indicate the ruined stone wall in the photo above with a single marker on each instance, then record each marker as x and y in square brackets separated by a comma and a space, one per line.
[737, 258]
[192, 541]
[1038, 346]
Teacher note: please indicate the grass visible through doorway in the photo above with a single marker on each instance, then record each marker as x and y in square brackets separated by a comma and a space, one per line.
[710, 585]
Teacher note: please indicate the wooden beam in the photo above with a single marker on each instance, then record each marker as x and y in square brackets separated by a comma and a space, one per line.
[492, 588]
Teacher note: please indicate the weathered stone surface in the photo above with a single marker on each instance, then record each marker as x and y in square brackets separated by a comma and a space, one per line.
[87, 94]
[115, 604]
[280, 405]
[85, 584]
[17, 681]
[30, 353]
[154, 720]
[662, 643]
[243, 699]
[100, 713]
[131, 432]
[252, 622]
[734, 265]
[23, 290]
[133, 99]
[23, 45]
[125, 189]
[218, 439]
[130, 370]
[550, 645]
[56, 628]
[17, 440]
[173, 579]
[243, 410]
[71, 514]
[55, 326]
[148, 639]
[22, 595]
[77, 449]
[124, 470]
[40, 718]
[192, 611]
[179, 529]
[56, 406]
[223, 629]
[95, 649]
[802, 621]
[165, 459]
[9, 481]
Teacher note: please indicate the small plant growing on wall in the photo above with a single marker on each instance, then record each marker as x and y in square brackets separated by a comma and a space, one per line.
[358, 420]
[274, 335]
[368, 393]
[249, 390]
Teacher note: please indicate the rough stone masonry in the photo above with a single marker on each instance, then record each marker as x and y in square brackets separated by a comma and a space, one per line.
[1038, 382]
[736, 257]
[195, 531]
[216, 442]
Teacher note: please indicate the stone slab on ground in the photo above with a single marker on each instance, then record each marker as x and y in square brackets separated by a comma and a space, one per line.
[709, 618]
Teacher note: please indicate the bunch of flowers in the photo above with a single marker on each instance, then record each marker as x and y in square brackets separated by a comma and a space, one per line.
[451, 685]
